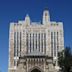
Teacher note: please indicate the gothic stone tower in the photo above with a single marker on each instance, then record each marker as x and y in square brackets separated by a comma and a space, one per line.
[34, 46]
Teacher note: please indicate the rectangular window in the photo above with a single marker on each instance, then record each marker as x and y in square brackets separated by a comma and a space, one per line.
[33, 41]
[51, 43]
[20, 43]
[54, 43]
[27, 42]
[14, 43]
[17, 43]
[39, 42]
[45, 42]
[42, 41]
[30, 43]
[36, 41]
[57, 42]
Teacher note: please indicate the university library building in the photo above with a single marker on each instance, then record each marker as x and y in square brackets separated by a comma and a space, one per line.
[34, 46]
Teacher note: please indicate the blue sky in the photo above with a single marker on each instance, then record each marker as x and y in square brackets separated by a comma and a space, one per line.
[14, 10]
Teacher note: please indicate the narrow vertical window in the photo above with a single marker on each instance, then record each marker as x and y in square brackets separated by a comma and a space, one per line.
[36, 40]
[51, 43]
[20, 43]
[14, 43]
[30, 43]
[33, 41]
[39, 42]
[45, 41]
[54, 44]
[57, 43]
[17, 43]
[42, 41]
[27, 42]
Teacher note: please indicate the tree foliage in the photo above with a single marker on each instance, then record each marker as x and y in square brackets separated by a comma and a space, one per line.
[65, 59]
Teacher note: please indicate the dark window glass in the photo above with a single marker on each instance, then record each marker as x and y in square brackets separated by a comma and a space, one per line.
[30, 42]
[39, 41]
[45, 41]
[27, 42]
[57, 43]
[52, 43]
[20, 43]
[14, 43]
[33, 41]
[36, 40]
[17, 43]
[42, 41]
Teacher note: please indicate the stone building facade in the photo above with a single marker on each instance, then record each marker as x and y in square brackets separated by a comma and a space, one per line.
[34, 46]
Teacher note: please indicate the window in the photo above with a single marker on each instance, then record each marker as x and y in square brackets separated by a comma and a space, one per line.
[57, 42]
[27, 42]
[52, 43]
[33, 41]
[20, 43]
[17, 42]
[42, 41]
[36, 40]
[14, 43]
[39, 42]
[45, 42]
[30, 42]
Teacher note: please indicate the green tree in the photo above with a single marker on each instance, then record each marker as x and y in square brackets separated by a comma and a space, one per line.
[65, 59]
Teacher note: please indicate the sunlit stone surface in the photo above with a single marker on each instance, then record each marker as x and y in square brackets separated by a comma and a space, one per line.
[34, 46]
